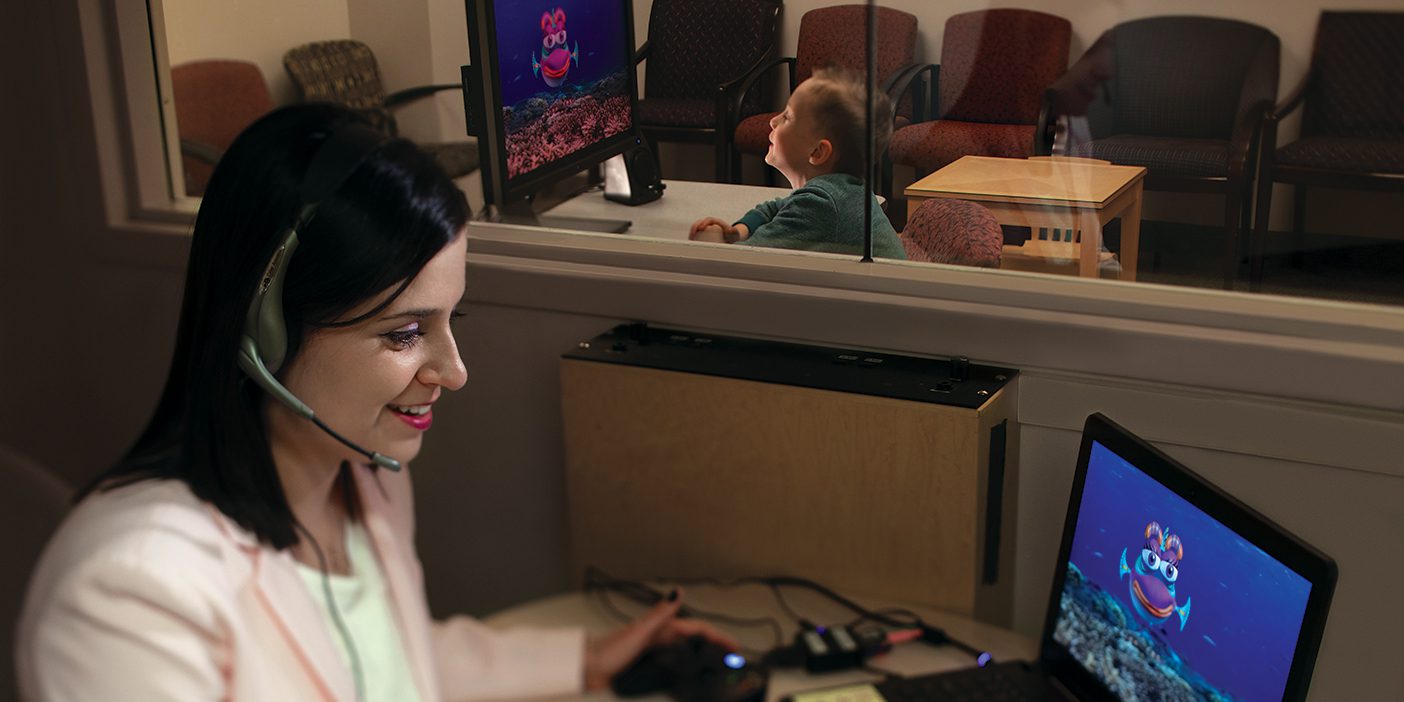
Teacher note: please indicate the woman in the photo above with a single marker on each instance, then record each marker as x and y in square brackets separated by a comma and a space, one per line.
[246, 549]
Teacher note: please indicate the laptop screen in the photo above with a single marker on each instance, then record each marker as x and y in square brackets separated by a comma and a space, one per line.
[1162, 600]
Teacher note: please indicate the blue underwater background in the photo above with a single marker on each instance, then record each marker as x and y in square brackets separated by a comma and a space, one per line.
[1246, 607]
[595, 26]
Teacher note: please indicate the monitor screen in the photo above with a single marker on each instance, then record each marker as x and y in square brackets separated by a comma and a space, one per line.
[557, 82]
[1161, 600]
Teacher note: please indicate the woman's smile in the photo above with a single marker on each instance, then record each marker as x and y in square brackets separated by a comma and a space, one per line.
[418, 416]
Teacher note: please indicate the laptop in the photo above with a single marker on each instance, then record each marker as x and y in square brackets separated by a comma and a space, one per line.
[1166, 588]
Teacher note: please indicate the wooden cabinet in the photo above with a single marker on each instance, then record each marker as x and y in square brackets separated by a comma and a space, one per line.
[687, 474]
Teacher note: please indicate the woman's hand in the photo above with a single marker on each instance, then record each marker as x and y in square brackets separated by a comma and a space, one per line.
[659, 626]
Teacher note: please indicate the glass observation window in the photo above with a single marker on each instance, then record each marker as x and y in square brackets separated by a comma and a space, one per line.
[1223, 147]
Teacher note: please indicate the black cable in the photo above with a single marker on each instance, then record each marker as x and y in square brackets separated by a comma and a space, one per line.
[785, 605]
[933, 635]
[638, 592]
[878, 616]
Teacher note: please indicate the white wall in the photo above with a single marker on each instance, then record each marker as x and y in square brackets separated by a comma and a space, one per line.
[260, 31]
[1303, 427]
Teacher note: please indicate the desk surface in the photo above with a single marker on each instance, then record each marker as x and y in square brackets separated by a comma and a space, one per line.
[755, 601]
[671, 216]
[1029, 181]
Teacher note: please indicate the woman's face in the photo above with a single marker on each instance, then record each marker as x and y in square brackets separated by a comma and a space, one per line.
[376, 382]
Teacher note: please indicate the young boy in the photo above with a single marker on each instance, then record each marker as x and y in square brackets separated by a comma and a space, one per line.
[817, 143]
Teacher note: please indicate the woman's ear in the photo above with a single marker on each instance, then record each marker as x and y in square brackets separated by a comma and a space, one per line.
[823, 151]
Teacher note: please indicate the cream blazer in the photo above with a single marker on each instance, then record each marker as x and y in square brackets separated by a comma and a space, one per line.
[147, 593]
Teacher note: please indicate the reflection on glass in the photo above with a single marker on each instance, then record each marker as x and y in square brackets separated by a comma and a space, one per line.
[223, 75]
[1216, 110]
[817, 143]
[214, 99]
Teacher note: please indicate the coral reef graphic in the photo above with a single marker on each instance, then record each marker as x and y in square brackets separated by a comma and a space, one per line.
[550, 126]
[1111, 643]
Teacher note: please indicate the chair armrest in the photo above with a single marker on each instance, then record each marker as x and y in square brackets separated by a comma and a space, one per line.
[746, 82]
[901, 82]
[1247, 135]
[1045, 131]
[728, 111]
[643, 52]
[200, 151]
[1256, 100]
[400, 97]
[1290, 103]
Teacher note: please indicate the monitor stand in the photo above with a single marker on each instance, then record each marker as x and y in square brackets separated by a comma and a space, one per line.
[521, 212]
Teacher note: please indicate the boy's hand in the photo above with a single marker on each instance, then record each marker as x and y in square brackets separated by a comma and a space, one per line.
[717, 231]
[709, 229]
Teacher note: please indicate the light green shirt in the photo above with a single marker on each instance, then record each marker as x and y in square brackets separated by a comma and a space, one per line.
[364, 604]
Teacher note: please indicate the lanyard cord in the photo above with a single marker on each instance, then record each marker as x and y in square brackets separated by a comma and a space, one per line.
[341, 627]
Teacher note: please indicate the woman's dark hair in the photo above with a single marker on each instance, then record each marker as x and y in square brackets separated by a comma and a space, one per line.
[388, 218]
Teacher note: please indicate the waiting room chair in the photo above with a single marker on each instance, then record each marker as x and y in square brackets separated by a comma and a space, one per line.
[833, 36]
[215, 100]
[995, 65]
[1352, 135]
[345, 71]
[33, 503]
[958, 232]
[1182, 96]
[696, 54]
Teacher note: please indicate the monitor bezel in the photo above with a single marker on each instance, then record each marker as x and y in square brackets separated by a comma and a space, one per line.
[1313, 565]
[499, 189]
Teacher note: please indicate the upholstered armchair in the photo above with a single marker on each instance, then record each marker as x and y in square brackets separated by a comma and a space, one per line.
[832, 36]
[696, 55]
[345, 71]
[214, 99]
[1352, 103]
[995, 65]
[953, 231]
[1182, 96]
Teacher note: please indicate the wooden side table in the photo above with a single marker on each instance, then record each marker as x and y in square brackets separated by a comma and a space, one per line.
[1062, 194]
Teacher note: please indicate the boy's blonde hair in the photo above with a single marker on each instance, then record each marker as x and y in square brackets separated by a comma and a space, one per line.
[837, 97]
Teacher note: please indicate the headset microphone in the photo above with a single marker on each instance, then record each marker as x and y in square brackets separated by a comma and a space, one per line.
[264, 343]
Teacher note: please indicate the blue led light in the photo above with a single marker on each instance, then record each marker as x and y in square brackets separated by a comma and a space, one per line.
[734, 661]
[983, 659]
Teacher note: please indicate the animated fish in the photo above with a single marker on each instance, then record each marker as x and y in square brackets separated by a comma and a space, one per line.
[555, 58]
[1152, 583]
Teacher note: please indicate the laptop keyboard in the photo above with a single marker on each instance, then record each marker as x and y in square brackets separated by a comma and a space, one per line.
[1008, 682]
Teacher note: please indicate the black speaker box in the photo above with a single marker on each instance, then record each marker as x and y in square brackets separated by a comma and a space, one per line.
[632, 178]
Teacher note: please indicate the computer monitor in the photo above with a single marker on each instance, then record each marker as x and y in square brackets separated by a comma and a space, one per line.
[1168, 588]
[551, 92]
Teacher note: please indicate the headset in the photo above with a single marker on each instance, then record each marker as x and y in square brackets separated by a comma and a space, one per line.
[264, 344]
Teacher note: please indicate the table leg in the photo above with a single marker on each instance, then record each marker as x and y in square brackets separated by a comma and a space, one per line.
[1131, 235]
[1091, 246]
[913, 202]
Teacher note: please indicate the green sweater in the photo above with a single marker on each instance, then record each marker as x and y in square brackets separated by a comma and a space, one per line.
[824, 215]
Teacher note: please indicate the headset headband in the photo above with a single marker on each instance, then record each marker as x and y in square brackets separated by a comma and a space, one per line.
[337, 158]
[340, 154]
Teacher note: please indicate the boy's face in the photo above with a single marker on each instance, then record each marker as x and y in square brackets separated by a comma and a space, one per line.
[794, 136]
